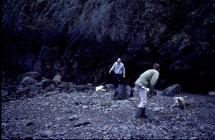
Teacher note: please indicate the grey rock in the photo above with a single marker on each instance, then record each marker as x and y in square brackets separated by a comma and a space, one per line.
[50, 87]
[47, 94]
[172, 90]
[109, 86]
[50, 124]
[46, 82]
[46, 133]
[28, 137]
[81, 123]
[211, 93]
[29, 123]
[57, 79]
[33, 74]
[28, 81]
[122, 92]
[73, 117]
[4, 93]
[23, 91]
[156, 109]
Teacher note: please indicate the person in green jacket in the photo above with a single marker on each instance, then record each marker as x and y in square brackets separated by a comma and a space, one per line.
[143, 85]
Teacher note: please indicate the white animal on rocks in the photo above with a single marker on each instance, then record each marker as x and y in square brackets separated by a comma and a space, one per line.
[179, 102]
[100, 88]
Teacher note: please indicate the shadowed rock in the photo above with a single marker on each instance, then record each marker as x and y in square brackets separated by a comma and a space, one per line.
[28, 81]
[122, 92]
[172, 90]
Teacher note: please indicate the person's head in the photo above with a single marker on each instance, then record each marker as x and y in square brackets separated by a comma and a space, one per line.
[118, 60]
[156, 66]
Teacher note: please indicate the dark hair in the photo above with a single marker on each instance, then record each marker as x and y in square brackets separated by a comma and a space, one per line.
[156, 66]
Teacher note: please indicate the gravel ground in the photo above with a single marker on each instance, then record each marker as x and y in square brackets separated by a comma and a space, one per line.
[92, 115]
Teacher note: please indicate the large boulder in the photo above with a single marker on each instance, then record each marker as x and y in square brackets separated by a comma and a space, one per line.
[211, 93]
[45, 83]
[4, 93]
[32, 74]
[28, 81]
[57, 78]
[122, 92]
[172, 90]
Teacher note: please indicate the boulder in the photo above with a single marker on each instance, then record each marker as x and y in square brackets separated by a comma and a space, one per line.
[129, 91]
[172, 90]
[73, 117]
[84, 87]
[57, 79]
[4, 93]
[28, 81]
[81, 123]
[23, 91]
[45, 83]
[122, 92]
[109, 86]
[50, 87]
[211, 93]
[46, 133]
[32, 74]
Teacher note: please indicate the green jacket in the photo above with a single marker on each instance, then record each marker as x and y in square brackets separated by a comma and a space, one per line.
[148, 79]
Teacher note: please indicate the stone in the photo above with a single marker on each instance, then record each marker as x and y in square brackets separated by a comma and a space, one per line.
[45, 83]
[211, 93]
[32, 74]
[23, 91]
[28, 81]
[172, 90]
[109, 86]
[47, 133]
[4, 93]
[128, 91]
[157, 109]
[47, 94]
[84, 87]
[81, 123]
[50, 87]
[28, 137]
[57, 79]
[122, 92]
[73, 117]
[29, 123]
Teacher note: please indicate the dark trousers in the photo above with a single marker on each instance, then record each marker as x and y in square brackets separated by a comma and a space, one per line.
[117, 79]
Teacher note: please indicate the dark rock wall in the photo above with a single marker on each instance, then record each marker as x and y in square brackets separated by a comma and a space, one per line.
[82, 38]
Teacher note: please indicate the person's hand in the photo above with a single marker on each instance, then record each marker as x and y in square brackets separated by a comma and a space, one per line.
[147, 89]
[109, 72]
[123, 76]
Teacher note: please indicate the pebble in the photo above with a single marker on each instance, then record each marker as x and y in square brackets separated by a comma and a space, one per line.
[28, 123]
[73, 117]
[156, 109]
[47, 133]
[81, 123]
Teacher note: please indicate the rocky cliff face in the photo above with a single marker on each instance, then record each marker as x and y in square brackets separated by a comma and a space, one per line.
[82, 38]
